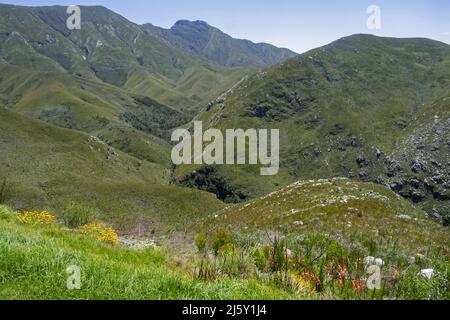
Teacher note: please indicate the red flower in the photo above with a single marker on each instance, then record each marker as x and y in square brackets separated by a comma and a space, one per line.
[358, 285]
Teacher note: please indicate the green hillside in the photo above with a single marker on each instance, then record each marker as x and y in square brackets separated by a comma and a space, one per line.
[346, 110]
[339, 207]
[86, 118]
[132, 123]
[49, 168]
[327, 226]
[110, 48]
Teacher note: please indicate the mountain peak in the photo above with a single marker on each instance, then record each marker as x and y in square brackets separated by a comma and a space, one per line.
[184, 22]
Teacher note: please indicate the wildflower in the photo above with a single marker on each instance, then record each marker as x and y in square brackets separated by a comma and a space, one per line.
[101, 232]
[36, 218]
[311, 277]
[342, 272]
[302, 283]
[358, 285]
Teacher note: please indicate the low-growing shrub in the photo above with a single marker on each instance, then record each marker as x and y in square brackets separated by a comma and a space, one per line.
[324, 266]
[277, 255]
[200, 242]
[222, 241]
[5, 213]
[77, 215]
[208, 271]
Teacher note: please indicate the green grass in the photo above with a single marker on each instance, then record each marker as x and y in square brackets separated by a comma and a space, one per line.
[34, 262]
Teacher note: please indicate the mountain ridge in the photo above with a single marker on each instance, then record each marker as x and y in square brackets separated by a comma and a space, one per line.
[111, 49]
[206, 41]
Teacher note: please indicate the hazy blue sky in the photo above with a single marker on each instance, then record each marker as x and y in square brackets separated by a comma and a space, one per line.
[295, 24]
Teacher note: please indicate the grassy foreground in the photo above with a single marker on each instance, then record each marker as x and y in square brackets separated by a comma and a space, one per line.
[34, 261]
[319, 252]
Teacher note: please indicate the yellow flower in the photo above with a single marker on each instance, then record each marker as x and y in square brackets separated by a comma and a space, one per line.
[36, 217]
[301, 283]
[101, 232]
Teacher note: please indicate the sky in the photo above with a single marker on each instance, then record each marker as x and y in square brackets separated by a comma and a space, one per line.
[295, 24]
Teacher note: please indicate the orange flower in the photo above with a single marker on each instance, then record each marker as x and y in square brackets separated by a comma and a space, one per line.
[342, 272]
[358, 285]
[309, 276]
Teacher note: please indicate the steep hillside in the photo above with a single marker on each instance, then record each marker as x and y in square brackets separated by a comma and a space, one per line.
[324, 233]
[205, 41]
[48, 167]
[345, 110]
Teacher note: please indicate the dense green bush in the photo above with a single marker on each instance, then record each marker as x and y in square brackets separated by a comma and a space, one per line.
[77, 215]
[200, 242]
[222, 241]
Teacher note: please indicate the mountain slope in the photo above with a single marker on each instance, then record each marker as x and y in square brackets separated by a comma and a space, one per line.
[342, 110]
[50, 167]
[205, 41]
[114, 115]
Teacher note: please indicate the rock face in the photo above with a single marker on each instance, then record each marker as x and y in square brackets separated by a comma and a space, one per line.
[427, 151]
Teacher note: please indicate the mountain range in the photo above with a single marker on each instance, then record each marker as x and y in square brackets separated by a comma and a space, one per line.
[86, 118]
